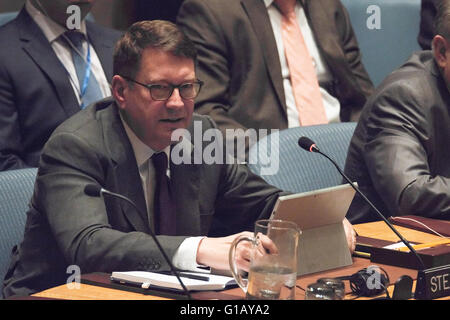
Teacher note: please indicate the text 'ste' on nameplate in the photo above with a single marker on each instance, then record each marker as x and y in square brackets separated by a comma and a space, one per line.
[433, 283]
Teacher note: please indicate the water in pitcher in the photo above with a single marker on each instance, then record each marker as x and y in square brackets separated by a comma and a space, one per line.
[271, 283]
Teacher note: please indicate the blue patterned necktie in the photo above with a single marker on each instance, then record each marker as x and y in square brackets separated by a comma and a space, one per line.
[89, 88]
[165, 210]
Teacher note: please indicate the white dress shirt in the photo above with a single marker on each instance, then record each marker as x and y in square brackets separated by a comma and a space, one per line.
[185, 257]
[331, 104]
[53, 32]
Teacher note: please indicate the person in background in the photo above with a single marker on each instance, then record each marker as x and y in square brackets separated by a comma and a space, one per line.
[399, 152]
[47, 74]
[274, 64]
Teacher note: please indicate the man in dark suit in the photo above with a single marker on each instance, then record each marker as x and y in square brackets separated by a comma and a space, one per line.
[39, 82]
[399, 153]
[242, 62]
[113, 144]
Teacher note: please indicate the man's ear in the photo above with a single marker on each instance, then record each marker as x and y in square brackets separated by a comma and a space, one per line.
[119, 90]
[440, 50]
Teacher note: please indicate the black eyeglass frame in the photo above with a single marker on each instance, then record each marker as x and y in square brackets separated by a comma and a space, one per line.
[172, 86]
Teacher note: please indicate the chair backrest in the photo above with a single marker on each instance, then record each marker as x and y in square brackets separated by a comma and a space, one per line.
[299, 170]
[386, 31]
[16, 188]
[6, 17]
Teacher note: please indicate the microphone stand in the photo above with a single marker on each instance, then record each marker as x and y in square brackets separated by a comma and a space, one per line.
[426, 287]
[407, 244]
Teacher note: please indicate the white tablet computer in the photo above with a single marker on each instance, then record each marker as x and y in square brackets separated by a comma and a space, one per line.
[319, 215]
[315, 208]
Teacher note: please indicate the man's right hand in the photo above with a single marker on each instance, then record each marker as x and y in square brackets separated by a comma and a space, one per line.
[213, 252]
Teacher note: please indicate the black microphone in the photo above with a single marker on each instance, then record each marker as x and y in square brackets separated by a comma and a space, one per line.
[309, 145]
[93, 190]
[96, 191]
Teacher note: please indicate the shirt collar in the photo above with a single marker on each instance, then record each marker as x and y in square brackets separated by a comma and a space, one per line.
[268, 3]
[142, 152]
[50, 28]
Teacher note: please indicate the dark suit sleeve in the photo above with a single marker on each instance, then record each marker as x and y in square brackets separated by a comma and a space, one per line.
[10, 136]
[397, 155]
[242, 198]
[352, 55]
[202, 26]
[81, 224]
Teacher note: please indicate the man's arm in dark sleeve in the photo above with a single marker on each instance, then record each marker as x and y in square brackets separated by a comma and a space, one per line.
[80, 223]
[242, 198]
[11, 147]
[398, 161]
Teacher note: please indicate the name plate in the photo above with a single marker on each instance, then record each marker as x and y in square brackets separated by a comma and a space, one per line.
[433, 283]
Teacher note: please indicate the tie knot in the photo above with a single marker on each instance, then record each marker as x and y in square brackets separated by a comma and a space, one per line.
[286, 7]
[160, 162]
[76, 38]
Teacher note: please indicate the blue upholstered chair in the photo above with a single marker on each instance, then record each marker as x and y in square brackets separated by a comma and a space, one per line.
[299, 170]
[16, 188]
[6, 17]
[386, 48]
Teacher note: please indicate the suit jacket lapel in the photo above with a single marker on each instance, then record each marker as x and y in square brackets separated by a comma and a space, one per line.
[39, 49]
[184, 180]
[324, 34]
[125, 169]
[102, 47]
[259, 18]
[184, 184]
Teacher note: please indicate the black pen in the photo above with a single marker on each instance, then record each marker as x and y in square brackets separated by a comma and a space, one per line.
[188, 275]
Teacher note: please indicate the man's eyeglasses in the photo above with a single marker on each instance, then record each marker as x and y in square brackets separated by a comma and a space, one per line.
[161, 92]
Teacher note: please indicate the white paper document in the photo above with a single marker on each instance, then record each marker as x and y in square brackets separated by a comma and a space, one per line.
[147, 279]
[395, 246]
